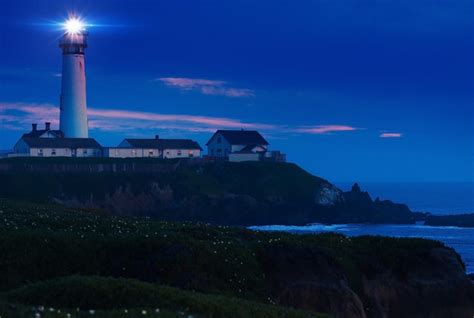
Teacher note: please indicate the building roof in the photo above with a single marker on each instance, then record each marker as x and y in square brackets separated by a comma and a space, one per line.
[241, 137]
[35, 142]
[164, 143]
[38, 133]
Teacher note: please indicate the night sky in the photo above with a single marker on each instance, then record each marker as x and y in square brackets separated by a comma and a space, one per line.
[351, 90]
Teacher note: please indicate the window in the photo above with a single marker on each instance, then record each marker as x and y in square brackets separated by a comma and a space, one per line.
[191, 153]
[53, 152]
[134, 152]
[150, 153]
[40, 152]
[84, 151]
[179, 152]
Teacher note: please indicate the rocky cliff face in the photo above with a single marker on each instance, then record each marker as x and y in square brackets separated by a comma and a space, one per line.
[441, 289]
[433, 285]
[328, 195]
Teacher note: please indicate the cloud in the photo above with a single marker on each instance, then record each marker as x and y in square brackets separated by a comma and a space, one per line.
[19, 116]
[206, 86]
[325, 129]
[391, 135]
[23, 114]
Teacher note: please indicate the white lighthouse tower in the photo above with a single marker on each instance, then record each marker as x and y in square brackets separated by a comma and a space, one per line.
[73, 108]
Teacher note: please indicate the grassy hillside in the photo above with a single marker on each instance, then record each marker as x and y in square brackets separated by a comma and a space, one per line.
[260, 180]
[127, 263]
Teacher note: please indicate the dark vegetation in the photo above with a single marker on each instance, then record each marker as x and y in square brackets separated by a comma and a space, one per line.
[65, 258]
[222, 193]
[461, 220]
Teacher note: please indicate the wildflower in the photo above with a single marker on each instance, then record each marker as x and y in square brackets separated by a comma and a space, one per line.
[143, 312]
[91, 311]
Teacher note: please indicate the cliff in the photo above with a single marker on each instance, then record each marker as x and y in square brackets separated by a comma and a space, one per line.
[250, 193]
[461, 220]
[65, 258]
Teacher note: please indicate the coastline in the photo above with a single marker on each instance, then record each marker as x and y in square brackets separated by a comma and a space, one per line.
[460, 239]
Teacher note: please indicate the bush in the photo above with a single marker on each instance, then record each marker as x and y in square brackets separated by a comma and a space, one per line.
[109, 293]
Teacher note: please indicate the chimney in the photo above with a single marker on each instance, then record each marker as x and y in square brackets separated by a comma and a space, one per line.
[47, 126]
[157, 136]
[34, 127]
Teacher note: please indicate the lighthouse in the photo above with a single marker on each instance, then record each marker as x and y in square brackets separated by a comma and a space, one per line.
[73, 106]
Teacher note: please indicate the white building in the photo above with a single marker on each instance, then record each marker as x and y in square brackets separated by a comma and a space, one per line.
[73, 108]
[57, 147]
[241, 145]
[155, 148]
[51, 143]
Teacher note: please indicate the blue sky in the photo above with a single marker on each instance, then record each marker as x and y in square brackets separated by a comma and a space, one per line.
[351, 90]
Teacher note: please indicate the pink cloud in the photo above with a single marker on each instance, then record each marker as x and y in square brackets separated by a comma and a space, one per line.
[19, 116]
[206, 86]
[325, 129]
[24, 114]
[217, 122]
[390, 135]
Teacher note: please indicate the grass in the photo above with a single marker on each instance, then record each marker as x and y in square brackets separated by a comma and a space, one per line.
[100, 293]
[45, 248]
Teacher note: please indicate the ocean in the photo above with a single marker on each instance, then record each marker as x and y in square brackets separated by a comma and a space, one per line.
[436, 198]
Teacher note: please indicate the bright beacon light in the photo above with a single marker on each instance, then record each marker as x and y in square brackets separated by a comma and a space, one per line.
[74, 25]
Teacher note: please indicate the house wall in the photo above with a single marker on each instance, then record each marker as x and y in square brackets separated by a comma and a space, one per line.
[48, 152]
[131, 153]
[181, 153]
[151, 153]
[219, 149]
[88, 152]
[65, 152]
[240, 157]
